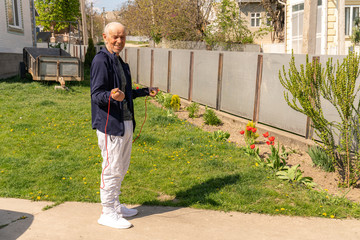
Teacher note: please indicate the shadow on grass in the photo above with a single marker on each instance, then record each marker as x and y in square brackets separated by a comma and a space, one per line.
[17, 79]
[28, 79]
[198, 194]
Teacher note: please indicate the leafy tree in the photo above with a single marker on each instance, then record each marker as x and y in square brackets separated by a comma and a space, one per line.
[355, 37]
[228, 27]
[51, 12]
[276, 11]
[169, 19]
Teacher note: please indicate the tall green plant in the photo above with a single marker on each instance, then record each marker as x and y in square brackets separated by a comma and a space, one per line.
[305, 89]
[341, 91]
[335, 84]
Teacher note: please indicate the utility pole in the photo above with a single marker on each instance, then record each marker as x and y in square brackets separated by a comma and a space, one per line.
[341, 27]
[152, 12]
[104, 16]
[309, 27]
[92, 20]
[83, 21]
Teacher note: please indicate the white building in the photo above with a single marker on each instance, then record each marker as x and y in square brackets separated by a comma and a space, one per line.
[17, 31]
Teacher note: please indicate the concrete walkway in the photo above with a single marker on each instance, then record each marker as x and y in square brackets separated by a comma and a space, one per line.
[24, 219]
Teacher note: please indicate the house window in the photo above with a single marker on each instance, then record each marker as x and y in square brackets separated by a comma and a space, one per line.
[351, 13]
[14, 15]
[255, 19]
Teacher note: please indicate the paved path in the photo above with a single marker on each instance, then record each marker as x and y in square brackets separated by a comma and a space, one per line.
[24, 219]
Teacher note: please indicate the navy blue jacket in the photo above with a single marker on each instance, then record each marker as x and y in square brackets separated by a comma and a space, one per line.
[104, 76]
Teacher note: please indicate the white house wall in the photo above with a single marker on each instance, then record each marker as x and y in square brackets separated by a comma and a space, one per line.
[11, 42]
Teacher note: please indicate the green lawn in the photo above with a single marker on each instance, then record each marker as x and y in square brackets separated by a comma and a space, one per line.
[48, 151]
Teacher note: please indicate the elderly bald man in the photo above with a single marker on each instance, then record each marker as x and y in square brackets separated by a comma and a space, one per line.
[112, 112]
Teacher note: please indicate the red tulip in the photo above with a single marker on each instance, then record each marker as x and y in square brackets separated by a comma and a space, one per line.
[137, 87]
[266, 134]
[272, 143]
[271, 139]
[254, 130]
[248, 128]
[267, 142]
[242, 132]
[252, 146]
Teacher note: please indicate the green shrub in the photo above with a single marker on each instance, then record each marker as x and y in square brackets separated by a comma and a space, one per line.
[321, 159]
[175, 103]
[90, 53]
[193, 109]
[164, 99]
[210, 117]
[294, 175]
[220, 135]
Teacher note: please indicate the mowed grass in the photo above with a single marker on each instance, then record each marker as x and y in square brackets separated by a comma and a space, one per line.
[48, 151]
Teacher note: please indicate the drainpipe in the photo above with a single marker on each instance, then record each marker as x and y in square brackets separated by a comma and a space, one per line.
[34, 23]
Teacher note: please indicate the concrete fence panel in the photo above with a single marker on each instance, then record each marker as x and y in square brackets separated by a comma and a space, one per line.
[180, 73]
[245, 84]
[161, 68]
[132, 61]
[274, 110]
[238, 83]
[205, 78]
[122, 55]
[144, 66]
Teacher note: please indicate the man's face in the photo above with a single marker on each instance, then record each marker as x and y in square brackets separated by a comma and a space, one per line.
[115, 41]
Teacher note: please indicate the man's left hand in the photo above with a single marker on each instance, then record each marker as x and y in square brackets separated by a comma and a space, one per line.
[153, 91]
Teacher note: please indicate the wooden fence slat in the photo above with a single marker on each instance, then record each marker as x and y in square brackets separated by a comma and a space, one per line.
[258, 88]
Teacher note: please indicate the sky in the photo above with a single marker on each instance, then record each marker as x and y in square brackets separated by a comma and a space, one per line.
[109, 5]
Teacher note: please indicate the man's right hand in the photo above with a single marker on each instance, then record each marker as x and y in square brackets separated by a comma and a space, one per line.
[117, 94]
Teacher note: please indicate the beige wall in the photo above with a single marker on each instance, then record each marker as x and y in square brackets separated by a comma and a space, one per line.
[332, 41]
[246, 10]
[352, 2]
[332, 26]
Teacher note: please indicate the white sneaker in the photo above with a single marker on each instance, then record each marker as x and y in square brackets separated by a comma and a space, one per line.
[125, 212]
[114, 220]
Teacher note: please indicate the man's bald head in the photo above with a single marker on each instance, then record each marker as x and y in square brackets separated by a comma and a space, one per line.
[113, 25]
[114, 37]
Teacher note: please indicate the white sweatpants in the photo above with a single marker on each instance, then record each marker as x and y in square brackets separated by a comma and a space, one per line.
[115, 165]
